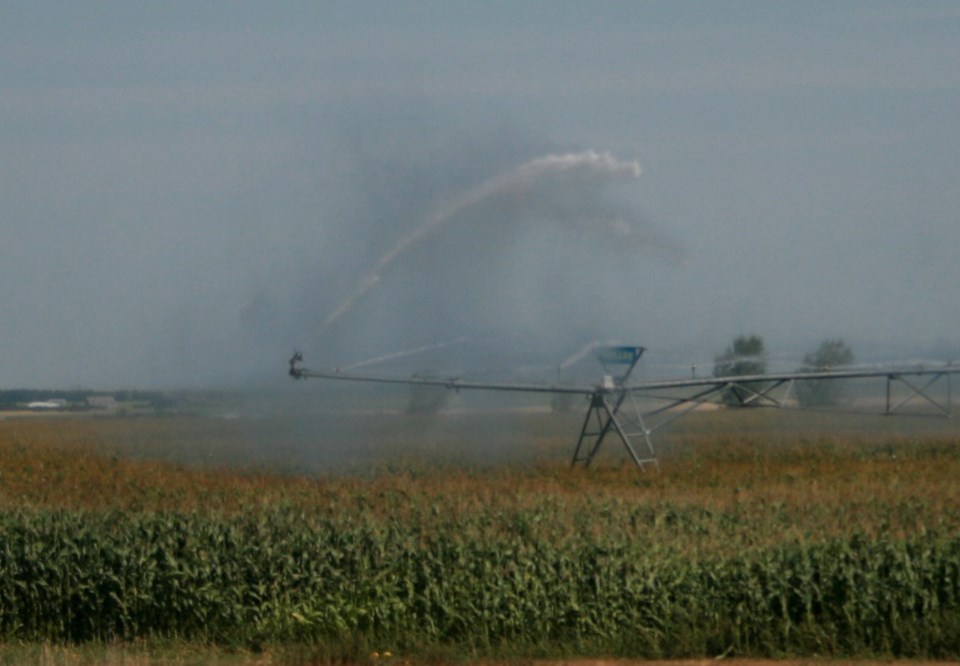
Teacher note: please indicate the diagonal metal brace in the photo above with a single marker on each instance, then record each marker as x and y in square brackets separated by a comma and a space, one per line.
[945, 408]
[606, 418]
[764, 394]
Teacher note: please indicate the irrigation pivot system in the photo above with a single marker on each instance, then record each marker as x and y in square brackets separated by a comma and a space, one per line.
[633, 412]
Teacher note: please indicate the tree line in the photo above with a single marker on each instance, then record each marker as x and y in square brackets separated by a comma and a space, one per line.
[747, 355]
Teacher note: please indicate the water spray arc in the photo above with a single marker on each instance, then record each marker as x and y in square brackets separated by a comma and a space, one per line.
[529, 184]
[392, 356]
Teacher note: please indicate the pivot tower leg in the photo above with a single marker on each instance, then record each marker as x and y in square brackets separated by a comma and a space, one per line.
[602, 419]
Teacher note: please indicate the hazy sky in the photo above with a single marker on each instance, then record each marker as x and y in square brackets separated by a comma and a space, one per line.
[188, 190]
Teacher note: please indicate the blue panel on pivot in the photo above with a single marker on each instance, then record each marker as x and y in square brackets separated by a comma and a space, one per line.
[619, 355]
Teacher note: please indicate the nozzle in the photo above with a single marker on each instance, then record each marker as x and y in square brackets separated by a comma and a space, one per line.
[296, 372]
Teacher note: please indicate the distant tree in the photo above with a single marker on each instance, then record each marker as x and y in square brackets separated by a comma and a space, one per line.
[746, 356]
[831, 354]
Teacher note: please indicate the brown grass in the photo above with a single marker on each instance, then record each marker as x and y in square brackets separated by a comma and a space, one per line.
[727, 491]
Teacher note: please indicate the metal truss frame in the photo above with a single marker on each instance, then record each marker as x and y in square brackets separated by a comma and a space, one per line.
[944, 408]
[615, 411]
[609, 417]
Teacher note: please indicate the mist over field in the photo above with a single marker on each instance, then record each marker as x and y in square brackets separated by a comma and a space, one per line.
[189, 193]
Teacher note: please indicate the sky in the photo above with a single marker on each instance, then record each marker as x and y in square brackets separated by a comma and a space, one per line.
[191, 191]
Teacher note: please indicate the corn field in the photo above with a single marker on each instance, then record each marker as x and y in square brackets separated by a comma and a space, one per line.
[281, 577]
[829, 548]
